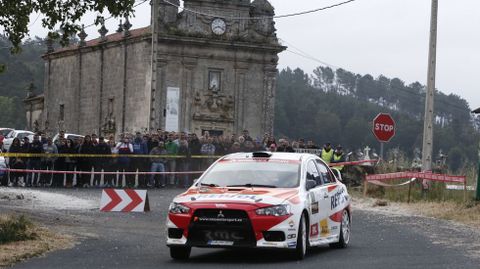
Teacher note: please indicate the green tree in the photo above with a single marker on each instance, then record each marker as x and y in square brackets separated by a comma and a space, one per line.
[346, 79]
[9, 112]
[323, 76]
[355, 132]
[59, 16]
[15, 15]
[455, 159]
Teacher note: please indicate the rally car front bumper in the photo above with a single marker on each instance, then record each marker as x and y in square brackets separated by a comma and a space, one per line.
[215, 228]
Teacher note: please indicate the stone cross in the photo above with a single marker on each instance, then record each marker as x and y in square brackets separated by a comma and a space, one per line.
[366, 150]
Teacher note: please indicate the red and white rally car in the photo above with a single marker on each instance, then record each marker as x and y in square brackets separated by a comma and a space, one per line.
[261, 200]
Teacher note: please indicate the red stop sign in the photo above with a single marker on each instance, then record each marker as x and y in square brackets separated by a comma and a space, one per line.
[383, 127]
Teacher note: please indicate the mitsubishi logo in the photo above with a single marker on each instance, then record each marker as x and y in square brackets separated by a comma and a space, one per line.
[220, 214]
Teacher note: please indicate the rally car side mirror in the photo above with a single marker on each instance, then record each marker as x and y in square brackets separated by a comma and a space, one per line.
[337, 174]
[310, 184]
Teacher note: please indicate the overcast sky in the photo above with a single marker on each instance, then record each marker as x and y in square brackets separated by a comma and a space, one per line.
[388, 37]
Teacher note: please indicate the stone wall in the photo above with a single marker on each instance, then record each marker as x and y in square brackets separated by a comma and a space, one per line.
[96, 85]
[138, 84]
[62, 89]
[89, 92]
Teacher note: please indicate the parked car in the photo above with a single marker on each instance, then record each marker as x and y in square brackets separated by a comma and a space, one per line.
[20, 134]
[5, 131]
[3, 165]
[68, 136]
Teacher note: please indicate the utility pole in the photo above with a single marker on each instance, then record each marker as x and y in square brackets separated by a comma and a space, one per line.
[429, 115]
[153, 113]
[477, 194]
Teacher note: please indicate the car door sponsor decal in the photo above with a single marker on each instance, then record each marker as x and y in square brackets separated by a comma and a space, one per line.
[314, 207]
[314, 230]
[337, 199]
[325, 231]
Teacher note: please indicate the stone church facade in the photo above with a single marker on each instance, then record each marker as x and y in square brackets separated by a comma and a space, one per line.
[210, 67]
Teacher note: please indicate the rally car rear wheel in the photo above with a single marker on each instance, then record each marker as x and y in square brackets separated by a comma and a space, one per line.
[345, 231]
[302, 239]
[180, 253]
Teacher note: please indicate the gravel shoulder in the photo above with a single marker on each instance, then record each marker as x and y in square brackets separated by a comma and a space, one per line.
[432, 219]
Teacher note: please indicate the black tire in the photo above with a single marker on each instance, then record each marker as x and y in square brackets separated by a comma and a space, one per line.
[345, 231]
[302, 240]
[180, 253]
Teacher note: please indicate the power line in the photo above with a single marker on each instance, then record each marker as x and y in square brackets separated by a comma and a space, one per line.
[33, 23]
[313, 11]
[262, 17]
[307, 55]
[310, 58]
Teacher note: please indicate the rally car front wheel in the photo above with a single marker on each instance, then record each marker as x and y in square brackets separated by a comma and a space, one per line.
[180, 253]
[302, 239]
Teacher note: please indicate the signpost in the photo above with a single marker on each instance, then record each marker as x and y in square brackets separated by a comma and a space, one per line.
[383, 129]
[477, 196]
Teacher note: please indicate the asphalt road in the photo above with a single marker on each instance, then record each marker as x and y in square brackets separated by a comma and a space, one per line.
[117, 240]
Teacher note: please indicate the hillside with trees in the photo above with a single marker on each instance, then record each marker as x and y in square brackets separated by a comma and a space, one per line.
[20, 70]
[338, 106]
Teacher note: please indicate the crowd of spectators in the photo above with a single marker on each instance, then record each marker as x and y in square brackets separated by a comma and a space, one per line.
[136, 153]
[178, 149]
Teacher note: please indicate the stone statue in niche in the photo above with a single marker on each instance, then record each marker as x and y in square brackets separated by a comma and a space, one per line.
[214, 78]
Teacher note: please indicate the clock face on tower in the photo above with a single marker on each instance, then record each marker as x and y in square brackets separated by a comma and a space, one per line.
[219, 26]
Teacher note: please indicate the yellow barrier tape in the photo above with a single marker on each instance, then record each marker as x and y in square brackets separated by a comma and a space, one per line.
[60, 155]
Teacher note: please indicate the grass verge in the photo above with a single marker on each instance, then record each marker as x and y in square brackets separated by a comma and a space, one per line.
[21, 239]
[464, 213]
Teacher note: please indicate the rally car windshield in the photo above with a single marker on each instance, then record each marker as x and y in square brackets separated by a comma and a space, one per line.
[253, 174]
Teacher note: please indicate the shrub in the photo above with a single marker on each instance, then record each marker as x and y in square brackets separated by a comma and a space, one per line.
[14, 229]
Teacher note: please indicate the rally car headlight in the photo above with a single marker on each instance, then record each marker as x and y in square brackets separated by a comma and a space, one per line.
[277, 211]
[176, 208]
